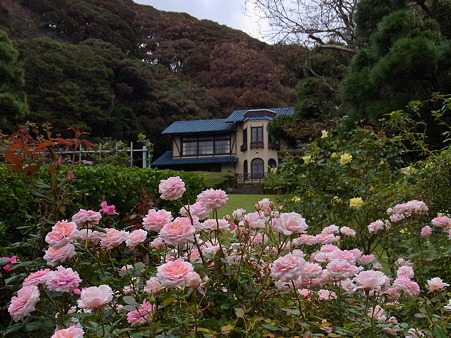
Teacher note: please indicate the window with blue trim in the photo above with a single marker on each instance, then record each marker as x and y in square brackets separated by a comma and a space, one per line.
[206, 145]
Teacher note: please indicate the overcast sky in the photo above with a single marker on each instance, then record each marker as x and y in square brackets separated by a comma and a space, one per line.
[225, 12]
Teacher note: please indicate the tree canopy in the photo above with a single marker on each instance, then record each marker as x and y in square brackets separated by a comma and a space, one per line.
[13, 102]
[407, 57]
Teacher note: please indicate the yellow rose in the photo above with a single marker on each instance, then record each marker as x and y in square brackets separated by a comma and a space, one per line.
[345, 158]
[324, 133]
[408, 170]
[337, 199]
[355, 202]
[296, 199]
[307, 159]
[334, 155]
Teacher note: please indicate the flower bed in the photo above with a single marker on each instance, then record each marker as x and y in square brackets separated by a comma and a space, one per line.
[258, 273]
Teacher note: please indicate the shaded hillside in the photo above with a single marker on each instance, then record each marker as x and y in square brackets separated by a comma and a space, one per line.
[118, 68]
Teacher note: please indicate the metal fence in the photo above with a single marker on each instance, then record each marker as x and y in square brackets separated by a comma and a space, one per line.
[144, 155]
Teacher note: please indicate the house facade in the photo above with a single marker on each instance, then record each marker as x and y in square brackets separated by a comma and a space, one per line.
[238, 144]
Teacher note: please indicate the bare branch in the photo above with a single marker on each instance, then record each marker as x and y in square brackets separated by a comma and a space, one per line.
[300, 20]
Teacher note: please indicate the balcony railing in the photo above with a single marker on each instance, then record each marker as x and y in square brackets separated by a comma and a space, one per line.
[254, 177]
[257, 145]
[273, 146]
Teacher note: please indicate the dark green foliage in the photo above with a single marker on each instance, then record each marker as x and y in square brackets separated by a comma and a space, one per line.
[68, 85]
[16, 205]
[407, 59]
[370, 12]
[13, 103]
[318, 96]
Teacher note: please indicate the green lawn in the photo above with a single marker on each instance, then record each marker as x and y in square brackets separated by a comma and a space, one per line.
[237, 201]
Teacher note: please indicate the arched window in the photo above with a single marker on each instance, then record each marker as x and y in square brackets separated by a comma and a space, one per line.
[272, 163]
[257, 168]
[245, 170]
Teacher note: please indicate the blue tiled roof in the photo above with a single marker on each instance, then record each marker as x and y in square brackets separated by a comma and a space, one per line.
[196, 126]
[166, 160]
[238, 115]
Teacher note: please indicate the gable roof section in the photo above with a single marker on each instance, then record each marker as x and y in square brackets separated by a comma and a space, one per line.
[197, 126]
[267, 113]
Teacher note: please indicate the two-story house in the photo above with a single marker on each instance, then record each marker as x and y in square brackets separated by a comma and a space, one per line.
[239, 144]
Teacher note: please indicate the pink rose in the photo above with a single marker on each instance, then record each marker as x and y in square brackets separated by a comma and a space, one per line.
[94, 297]
[341, 269]
[254, 221]
[62, 233]
[371, 280]
[71, 331]
[376, 226]
[212, 199]
[171, 189]
[350, 255]
[174, 273]
[158, 243]
[213, 225]
[377, 312]
[113, 239]
[311, 270]
[22, 305]
[36, 278]
[155, 220]
[290, 223]
[108, 209]
[56, 256]
[179, 232]
[326, 238]
[196, 209]
[331, 229]
[305, 240]
[193, 280]
[405, 271]
[238, 214]
[347, 285]
[304, 292]
[435, 284]
[409, 287]
[135, 238]
[86, 218]
[443, 222]
[326, 295]
[62, 280]
[366, 259]
[426, 231]
[12, 260]
[403, 210]
[152, 286]
[348, 231]
[288, 267]
[143, 315]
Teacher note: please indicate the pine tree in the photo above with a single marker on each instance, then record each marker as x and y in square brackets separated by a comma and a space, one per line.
[406, 57]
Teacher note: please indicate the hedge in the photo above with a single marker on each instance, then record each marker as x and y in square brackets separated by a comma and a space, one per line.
[120, 186]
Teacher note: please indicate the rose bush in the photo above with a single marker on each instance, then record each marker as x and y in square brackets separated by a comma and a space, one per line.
[259, 273]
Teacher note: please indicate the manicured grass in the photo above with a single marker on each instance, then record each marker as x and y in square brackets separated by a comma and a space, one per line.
[237, 201]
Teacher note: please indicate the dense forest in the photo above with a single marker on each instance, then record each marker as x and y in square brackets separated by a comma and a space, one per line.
[116, 69]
